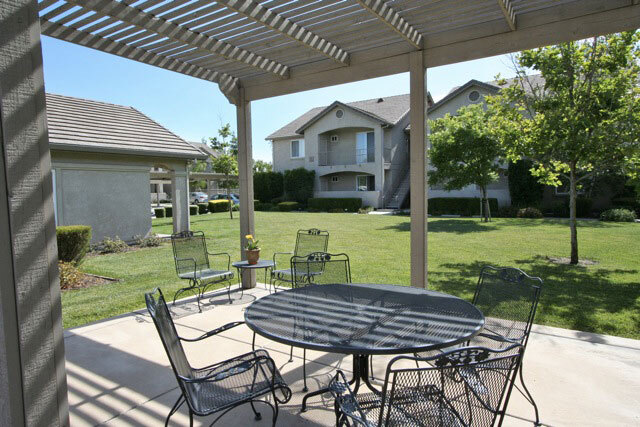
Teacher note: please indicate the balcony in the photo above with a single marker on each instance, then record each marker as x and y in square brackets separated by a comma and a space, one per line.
[340, 158]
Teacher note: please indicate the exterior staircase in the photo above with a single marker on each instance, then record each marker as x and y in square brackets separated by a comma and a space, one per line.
[400, 193]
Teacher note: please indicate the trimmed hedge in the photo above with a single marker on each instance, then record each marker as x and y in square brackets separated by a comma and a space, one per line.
[193, 210]
[73, 242]
[298, 184]
[259, 206]
[465, 206]
[618, 215]
[160, 212]
[168, 211]
[288, 206]
[524, 188]
[218, 206]
[203, 208]
[561, 208]
[529, 213]
[268, 185]
[328, 204]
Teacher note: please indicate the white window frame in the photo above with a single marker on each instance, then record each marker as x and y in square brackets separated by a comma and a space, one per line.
[358, 187]
[300, 148]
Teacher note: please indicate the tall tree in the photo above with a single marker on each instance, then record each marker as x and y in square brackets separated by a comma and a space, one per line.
[226, 144]
[581, 119]
[465, 151]
[262, 166]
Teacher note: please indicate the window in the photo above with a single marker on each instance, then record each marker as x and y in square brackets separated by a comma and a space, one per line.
[365, 147]
[334, 138]
[474, 95]
[339, 114]
[365, 183]
[335, 179]
[297, 149]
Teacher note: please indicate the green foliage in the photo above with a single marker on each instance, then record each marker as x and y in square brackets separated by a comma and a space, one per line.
[298, 184]
[226, 162]
[193, 210]
[560, 208]
[203, 208]
[73, 242]
[365, 210]
[70, 276]
[262, 166]
[218, 206]
[524, 188]
[288, 206]
[268, 185]
[465, 206]
[630, 203]
[328, 204]
[150, 241]
[159, 212]
[110, 246]
[507, 212]
[618, 215]
[260, 206]
[168, 211]
[529, 213]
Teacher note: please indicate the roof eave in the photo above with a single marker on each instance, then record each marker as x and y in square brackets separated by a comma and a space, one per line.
[110, 150]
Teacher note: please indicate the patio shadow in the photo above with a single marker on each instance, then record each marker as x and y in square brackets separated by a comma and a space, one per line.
[458, 226]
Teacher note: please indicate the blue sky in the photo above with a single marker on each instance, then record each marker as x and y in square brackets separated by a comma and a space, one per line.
[194, 108]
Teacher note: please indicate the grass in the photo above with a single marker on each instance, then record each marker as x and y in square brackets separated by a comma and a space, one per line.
[602, 298]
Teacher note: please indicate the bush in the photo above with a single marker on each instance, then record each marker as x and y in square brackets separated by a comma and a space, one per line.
[70, 276]
[524, 188]
[630, 203]
[329, 204]
[160, 212]
[298, 184]
[235, 208]
[288, 206]
[618, 215]
[168, 211]
[268, 185]
[529, 213]
[465, 206]
[561, 208]
[365, 210]
[193, 210]
[110, 246]
[203, 208]
[259, 206]
[506, 212]
[148, 242]
[73, 242]
[218, 206]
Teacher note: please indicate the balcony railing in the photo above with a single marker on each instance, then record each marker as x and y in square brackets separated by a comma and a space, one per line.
[336, 158]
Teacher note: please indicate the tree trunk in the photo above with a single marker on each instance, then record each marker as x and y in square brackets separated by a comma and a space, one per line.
[572, 214]
[229, 197]
[485, 204]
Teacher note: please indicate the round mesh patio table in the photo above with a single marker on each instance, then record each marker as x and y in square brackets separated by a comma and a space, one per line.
[364, 320]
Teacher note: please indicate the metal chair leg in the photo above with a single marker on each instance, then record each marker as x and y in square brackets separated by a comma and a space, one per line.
[258, 415]
[291, 355]
[304, 369]
[174, 408]
[529, 396]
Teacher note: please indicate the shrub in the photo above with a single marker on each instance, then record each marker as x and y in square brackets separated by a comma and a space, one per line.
[298, 184]
[630, 203]
[465, 206]
[506, 212]
[329, 204]
[524, 188]
[109, 246]
[365, 210]
[288, 206]
[147, 242]
[160, 212]
[337, 210]
[193, 210]
[259, 206]
[618, 215]
[218, 206]
[73, 242]
[529, 213]
[70, 276]
[561, 208]
[168, 211]
[235, 208]
[203, 208]
[268, 185]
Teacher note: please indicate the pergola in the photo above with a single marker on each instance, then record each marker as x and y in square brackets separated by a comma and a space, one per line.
[253, 49]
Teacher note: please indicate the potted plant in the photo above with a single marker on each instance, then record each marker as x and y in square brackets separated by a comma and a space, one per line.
[252, 250]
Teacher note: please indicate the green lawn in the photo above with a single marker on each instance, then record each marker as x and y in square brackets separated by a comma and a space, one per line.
[602, 298]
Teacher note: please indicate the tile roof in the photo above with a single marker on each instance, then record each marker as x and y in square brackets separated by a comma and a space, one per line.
[77, 124]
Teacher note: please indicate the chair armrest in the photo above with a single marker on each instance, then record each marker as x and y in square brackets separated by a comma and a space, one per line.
[498, 337]
[223, 253]
[195, 267]
[279, 253]
[346, 400]
[213, 332]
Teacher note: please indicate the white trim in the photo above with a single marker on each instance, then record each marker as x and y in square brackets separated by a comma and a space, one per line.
[358, 176]
[300, 148]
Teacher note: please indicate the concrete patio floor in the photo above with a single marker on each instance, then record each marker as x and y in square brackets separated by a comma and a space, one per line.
[118, 373]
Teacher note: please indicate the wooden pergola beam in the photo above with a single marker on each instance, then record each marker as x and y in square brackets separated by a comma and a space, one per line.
[393, 19]
[509, 14]
[228, 84]
[150, 22]
[279, 23]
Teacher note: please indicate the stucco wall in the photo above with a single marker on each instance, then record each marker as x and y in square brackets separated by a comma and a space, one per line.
[282, 160]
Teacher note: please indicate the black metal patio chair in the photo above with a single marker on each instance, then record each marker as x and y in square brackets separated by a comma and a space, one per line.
[467, 386]
[192, 263]
[508, 298]
[307, 241]
[223, 386]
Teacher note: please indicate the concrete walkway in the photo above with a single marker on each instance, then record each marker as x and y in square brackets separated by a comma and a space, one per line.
[118, 373]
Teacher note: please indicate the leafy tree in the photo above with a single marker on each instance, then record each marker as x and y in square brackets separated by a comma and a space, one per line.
[226, 144]
[581, 121]
[198, 166]
[464, 151]
[262, 166]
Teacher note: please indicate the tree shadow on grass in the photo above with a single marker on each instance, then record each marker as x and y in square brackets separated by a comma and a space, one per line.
[572, 296]
[458, 226]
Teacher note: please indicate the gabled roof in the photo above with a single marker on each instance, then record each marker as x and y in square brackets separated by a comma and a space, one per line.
[388, 110]
[77, 124]
[205, 148]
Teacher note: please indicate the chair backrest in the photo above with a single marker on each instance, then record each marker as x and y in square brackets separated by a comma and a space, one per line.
[465, 386]
[157, 307]
[190, 251]
[320, 268]
[309, 241]
[508, 298]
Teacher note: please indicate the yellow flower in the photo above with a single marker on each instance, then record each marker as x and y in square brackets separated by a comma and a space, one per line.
[248, 237]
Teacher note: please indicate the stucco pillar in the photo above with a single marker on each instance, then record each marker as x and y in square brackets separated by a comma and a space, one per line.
[245, 180]
[418, 169]
[33, 388]
[180, 198]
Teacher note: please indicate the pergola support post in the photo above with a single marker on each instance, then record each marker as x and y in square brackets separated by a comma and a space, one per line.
[245, 180]
[33, 385]
[180, 198]
[418, 168]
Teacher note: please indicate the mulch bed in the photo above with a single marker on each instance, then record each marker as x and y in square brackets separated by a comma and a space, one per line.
[90, 280]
